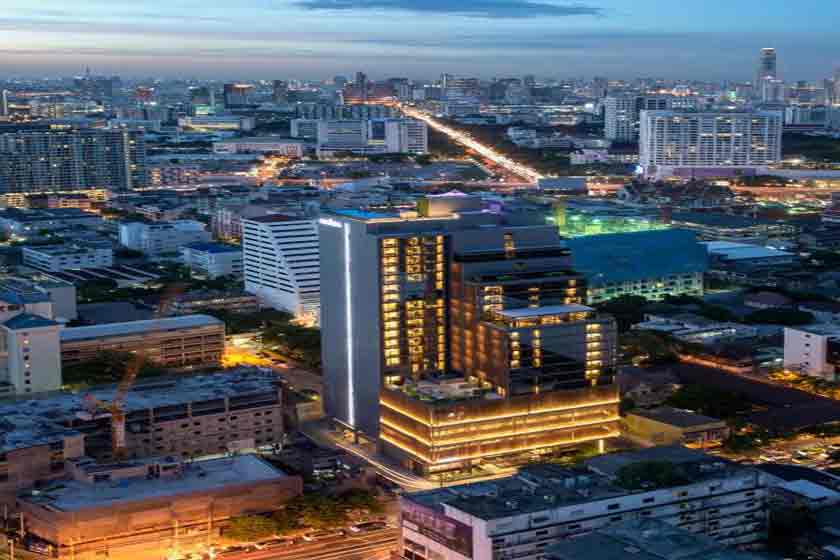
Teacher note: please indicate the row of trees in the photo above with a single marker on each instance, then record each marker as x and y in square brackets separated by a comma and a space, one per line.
[309, 511]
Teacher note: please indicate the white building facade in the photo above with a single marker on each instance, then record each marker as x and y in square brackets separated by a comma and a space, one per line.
[699, 144]
[162, 239]
[55, 258]
[282, 263]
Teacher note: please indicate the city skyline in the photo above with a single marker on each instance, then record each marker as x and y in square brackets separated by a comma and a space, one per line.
[310, 39]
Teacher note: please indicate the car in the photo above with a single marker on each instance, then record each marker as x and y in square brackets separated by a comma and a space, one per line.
[320, 535]
[368, 526]
[278, 542]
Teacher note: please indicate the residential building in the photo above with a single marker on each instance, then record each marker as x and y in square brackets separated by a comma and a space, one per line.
[644, 539]
[385, 135]
[212, 260]
[524, 515]
[67, 256]
[813, 350]
[672, 426]
[134, 510]
[185, 416]
[179, 342]
[30, 353]
[693, 144]
[480, 319]
[622, 113]
[162, 239]
[238, 95]
[282, 265]
[72, 160]
[652, 264]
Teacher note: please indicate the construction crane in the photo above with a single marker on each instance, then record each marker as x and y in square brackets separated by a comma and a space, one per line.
[132, 369]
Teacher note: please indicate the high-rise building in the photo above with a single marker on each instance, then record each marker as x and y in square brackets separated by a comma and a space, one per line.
[766, 65]
[238, 95]
[281, 263]
[621, 117]
[280, 92]
[4, 103]
[202, 101]
[457, 335]
[69, 160]
[709, 144]
[386, 135]
[772, 91]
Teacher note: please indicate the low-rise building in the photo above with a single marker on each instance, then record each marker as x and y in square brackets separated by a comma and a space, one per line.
[288, 147]
[813, 350]
[644, 539]
[520, 516]
[67, 256]
[672, 426]
[188, 341]
[29, 222]
[186, 416]
[197, 302]
[212, 260]
[162, 239]
[652, 264]
[150, 509]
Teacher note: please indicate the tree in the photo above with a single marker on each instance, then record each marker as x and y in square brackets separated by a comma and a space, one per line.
[650, 474]
[786, 317]
[648, 347]
[709, 401]
[358, 499]
[250, 528]
[627, 310]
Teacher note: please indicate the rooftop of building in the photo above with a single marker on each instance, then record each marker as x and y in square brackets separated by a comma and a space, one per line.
[138, 327]
[215, 248]
[28, 321]
[743, 251]
[547, 486]
[197, 477]
[44, 419]
[643, 539]
[621, 257]
[675, 417]
[262, 140]
[63, 249]
[716, 219]
[277, 218]
[45, 214]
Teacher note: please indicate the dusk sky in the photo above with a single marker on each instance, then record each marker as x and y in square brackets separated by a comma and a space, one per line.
[704, 39]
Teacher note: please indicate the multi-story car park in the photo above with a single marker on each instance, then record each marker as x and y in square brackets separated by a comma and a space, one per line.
[189, 340]
[520, 516]
[182, 416]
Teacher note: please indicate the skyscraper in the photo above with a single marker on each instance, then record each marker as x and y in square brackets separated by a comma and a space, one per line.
[766, 65]
[69, 160]
[455, 335]
[238, 95]
[4, 103]
[280, 92]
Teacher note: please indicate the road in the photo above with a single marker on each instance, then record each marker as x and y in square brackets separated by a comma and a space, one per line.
[466, 140]
[373, 546]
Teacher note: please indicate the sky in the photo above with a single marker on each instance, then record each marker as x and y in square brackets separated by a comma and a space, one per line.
[315, 39]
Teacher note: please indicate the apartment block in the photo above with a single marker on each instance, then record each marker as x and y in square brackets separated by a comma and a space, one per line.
[67, 256]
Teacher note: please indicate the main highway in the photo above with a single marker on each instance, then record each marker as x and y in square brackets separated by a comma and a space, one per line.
[371, 546]
[466, 140]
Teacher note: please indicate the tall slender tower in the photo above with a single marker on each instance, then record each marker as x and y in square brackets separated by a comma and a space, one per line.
[766, 65]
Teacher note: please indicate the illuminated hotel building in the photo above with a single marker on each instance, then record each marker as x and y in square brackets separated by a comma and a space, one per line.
[456, 335]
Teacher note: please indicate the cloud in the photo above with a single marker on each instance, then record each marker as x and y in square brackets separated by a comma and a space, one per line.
[493, 9]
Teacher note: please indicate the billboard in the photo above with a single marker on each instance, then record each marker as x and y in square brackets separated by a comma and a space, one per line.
[435, 525]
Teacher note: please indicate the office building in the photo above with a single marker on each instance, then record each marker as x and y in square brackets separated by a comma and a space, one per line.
[282, 265]
[202, 101]
[212, 260]
[813, 350]
[766, 65]
[481, 332]
[523, 516]
[162, 239]
[139, 510]
[709, 144]
[237, 96]
[644, 539]
[184, 416]
[4, 103]
[652, 264]
[177, 342]
[72, 160]
[67, 256]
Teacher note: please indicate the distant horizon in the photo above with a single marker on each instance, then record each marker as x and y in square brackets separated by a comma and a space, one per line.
[712, 41]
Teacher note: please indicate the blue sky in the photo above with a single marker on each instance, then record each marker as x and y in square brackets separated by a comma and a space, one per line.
[704, 39]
